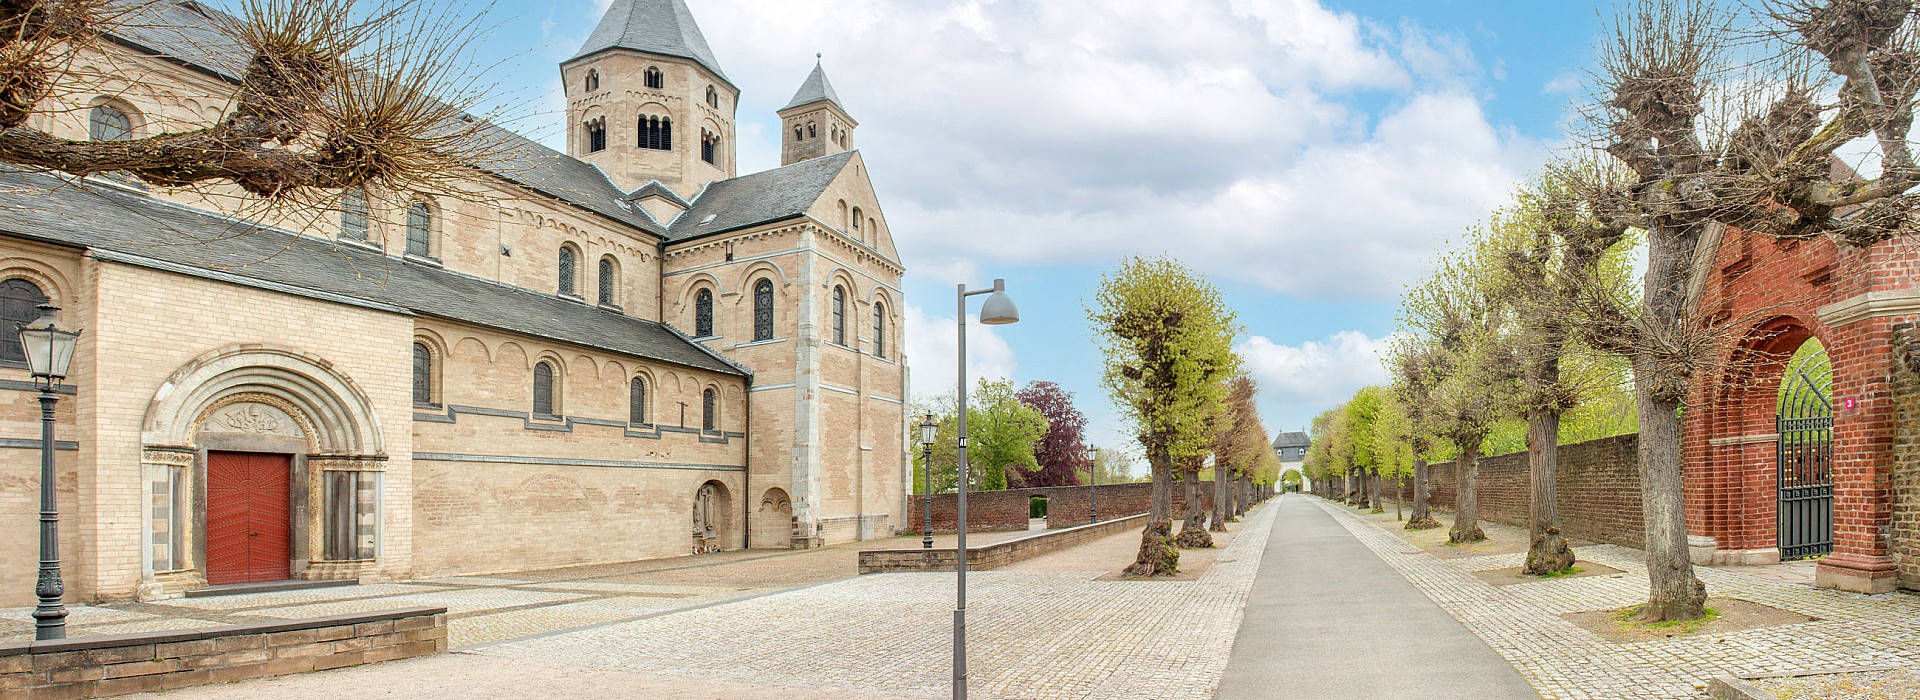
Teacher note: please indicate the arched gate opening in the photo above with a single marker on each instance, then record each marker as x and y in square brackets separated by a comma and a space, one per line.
[1804, 453]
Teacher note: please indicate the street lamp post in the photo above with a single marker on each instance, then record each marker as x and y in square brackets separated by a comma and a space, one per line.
[927, 429]
[998, 310]
[49, 350]
[1093, 491]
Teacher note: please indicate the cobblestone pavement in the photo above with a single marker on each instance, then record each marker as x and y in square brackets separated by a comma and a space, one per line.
[1040, 632]
[501, 607]
[1523, 623]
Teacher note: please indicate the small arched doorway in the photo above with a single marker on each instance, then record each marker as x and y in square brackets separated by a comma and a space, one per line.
[1803, 452]
[773, 520]
[712, 518]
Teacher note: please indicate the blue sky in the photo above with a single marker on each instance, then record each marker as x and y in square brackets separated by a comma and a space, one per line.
[1308, 156]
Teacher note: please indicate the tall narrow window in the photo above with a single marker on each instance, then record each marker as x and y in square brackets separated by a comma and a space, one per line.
[654, 79]
[353, 215]
[419, 230]
[543, 389]
[422, 374]
[839, 315]
[713, 97]
[856, 218]
[811, 132]
[796, 132]
[566, 271]
[637, 401]
[763, 310]
[709, 145]
[608, 280]
[109, 124]
[597, 135]
[19, 300]
[656, 133]
[709, 411]
[703, 314]
[593, 80]
[879, 329]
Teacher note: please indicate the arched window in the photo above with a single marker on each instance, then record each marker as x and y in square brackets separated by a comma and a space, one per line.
[597, 135]
[856, 218]
[713, 97]
[543, 404]
[709, 410]
[637, 401]
[609, 280]
[420, 230]
[796, 132]
[19, 302]
[703, 313]
[763, 310]
[654, 79]
[844, 221]
[353, 214]
[593, 80]
[811, 132]
[656, 133]
[566, 271]
[879, 329]
[709, 146]
[839, 315]
[106, 123]
[422, 373]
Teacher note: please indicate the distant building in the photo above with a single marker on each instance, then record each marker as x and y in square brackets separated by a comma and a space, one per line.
[1291, 448]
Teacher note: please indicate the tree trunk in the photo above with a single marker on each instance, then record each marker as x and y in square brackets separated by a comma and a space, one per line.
[1422, 508]
[1674, 593]
[1373, 481]
[1193, 528]
[1466, 512]
[1157, 556]
[1399, 498]
[1547, 549]
[1222, 497]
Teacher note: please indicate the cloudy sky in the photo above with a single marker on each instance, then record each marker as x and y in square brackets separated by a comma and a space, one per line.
[1307, 155]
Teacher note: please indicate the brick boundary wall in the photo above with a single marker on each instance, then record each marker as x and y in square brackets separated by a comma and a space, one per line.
[1067, 506]
[91, 667]
[998, 554]
[1598, 489]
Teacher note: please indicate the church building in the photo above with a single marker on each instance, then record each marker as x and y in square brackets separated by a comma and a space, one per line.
[625, 351]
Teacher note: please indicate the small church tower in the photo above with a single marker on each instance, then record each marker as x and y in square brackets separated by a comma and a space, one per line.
[646, 99]
[816, 123]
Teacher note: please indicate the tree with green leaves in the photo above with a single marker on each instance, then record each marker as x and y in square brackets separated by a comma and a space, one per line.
[1167, 336]
[1415, 364]
[1392, 444]
[1002, 433]
[1237, 449]
[1363, 413]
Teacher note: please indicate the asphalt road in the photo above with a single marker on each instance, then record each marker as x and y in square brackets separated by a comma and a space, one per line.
[1328, 620]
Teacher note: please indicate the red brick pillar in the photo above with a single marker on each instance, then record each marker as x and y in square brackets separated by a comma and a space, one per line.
[1861, 353]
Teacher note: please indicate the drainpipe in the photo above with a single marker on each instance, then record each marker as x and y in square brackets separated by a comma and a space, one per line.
[746, 478]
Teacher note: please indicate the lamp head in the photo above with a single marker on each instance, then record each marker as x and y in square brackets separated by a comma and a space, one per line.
[999, 309]
[48, 345]
[927, 428]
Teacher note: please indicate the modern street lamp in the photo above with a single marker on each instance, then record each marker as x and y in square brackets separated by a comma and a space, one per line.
[49, 351]
[927, 429]
[1093, 491]
[998, 310]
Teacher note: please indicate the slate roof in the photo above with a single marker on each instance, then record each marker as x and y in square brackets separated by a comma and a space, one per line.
[653, 188]
[816, 89]
[187, 32]
[180, 239]
[664, 27]
[763, 197]
[1293, 439]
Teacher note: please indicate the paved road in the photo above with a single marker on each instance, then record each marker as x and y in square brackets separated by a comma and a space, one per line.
[1328, 620]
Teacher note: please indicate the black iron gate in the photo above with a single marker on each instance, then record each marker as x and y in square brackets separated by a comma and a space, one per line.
[1805, 457]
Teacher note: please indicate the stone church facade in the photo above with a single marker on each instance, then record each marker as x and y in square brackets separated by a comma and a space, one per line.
[620, 352]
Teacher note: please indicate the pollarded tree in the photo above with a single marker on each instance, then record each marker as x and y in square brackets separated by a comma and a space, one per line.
[1393, 445]
[1415, 365]
[1061, 454]
[1712, 137]
[331, 94]
[1363, 415]
[1236, 449]
[1167, 336]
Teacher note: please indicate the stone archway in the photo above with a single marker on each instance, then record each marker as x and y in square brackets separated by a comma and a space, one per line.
[773, 519]
[713, 528]
[242, 405]
[1735, 468]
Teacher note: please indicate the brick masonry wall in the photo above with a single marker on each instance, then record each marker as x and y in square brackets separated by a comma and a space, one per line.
[92, 667]
[1906, 458]
[1598, 490]
[1067, 506]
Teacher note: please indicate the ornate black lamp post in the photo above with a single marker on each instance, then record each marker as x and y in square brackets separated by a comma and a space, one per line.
[49, 351]
[998, 310]
[1093, 492]
[927, 428]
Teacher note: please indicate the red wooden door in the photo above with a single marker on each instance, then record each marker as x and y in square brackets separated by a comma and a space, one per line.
[249, 523]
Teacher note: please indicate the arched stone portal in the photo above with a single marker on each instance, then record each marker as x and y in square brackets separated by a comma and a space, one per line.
[253, 454]
[712, 518]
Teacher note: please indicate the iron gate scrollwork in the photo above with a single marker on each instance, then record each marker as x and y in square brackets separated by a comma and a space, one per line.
[1805, 457]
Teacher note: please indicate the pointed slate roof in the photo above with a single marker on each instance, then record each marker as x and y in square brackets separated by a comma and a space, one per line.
[1293, 439]
[816, 89]
[763, 197]
[662, 27]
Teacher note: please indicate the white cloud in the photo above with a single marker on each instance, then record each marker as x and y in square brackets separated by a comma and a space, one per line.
[1297, 381]
[932, 344]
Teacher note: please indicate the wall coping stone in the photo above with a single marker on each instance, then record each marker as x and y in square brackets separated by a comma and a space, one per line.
[111, 641]
[984, 554]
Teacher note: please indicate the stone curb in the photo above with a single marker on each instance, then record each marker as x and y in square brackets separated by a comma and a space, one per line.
[1737, 687]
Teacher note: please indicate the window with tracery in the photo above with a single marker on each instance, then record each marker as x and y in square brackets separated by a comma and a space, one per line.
[709, 410]
[703, 314]
[763, 310]
[19, 305]
[637, 401]
[543, 403]
[353, 215]
[608, 280]
[422, 373]
[566, 271]
[839, 315]
[109, 124]
[420, 230]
